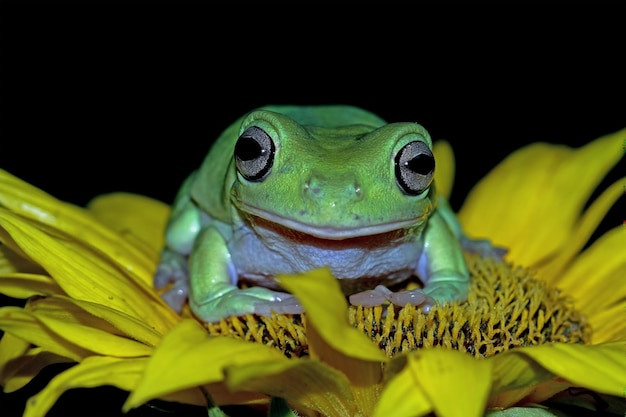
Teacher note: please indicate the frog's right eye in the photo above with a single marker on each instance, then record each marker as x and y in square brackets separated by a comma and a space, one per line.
[254, 154]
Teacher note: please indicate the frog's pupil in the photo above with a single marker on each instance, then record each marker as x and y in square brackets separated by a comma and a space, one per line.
[248, 149]
[421, 164]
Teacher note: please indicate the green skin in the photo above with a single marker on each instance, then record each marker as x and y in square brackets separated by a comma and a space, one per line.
[331, 198]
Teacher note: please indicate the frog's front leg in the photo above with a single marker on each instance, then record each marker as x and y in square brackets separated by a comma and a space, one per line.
[185, 222]
[173, 270]
[482, 247]
[441, 266]
[214, 293]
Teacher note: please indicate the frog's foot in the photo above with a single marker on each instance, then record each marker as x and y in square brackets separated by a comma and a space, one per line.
[176, 296]
[232, 301]
[288, 304]
[371, 298]
[381, 295]
[173, 270]
[441, 290]
[413, 298]
[483, 247]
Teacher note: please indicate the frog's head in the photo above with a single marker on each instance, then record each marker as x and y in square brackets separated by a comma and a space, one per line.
[333, 182]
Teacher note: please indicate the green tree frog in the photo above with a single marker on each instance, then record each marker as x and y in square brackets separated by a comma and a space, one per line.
[288, 189]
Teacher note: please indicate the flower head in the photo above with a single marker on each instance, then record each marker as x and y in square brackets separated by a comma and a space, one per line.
[532, 327]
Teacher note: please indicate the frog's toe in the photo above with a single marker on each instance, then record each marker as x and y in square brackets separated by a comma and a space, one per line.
[232, 301]
[166, 274]
[447, 291]
[371, 298]
[173, 271]
[162, 277]
[173, 268]
[286, 305]
[412, 297]
[176, 296]
[483, 247]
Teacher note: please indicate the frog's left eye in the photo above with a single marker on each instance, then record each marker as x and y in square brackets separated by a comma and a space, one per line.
[254, 154]
[415, 167]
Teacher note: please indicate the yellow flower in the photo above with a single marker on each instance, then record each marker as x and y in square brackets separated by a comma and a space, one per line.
[533, 203]
[86, 275]
[88, 287]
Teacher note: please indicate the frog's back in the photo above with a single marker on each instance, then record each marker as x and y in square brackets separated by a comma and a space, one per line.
[211, 186]
[331, 115]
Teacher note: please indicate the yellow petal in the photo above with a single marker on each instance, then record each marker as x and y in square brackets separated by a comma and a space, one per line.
[365, 376]
[93, 372]
[84, 275]
[63, 309]
[402, 395]
[84, 330]
[546, 390]
[454, 382]
[608, 324]
[22, 285]
[519, 204]
[220, 394]
[600, 368]
[188, 357]
[327, 310]
[511, 397]
[25, 325]
[11, 262]
[593, 279]
[332, 339]
[304, 383]
[552, 270]
[11, 348]
[191, 396]
[444, 171]
[514, 376]
[133, 215]
[134, 328]
[23, 369]
[28, 201]
[98, 316]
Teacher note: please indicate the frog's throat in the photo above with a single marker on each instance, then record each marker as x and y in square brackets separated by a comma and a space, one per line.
[332, 232]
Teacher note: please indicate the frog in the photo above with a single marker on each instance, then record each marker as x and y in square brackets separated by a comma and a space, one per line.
[287, 189]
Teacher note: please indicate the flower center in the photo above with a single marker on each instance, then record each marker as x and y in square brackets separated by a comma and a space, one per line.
[506, 308]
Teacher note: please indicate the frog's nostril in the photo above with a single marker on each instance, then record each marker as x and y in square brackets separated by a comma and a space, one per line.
[312, 186]
[336, 190]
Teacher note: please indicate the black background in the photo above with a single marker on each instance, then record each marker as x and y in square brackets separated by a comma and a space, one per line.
[119, 98]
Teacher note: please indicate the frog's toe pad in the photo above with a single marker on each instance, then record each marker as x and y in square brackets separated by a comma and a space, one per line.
[426, 298]
[371, 298]
[443, 292]
[413, 298]
[285, 305]
[172, 269]
[176, 296]
[382, 295]
[166, 274]
[483, 247]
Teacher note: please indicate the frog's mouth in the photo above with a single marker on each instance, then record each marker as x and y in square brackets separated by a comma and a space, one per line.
[332, 232]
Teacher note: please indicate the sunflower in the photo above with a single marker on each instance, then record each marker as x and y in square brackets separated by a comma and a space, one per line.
[544, 326]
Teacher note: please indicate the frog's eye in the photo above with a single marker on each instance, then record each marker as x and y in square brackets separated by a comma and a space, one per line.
[415, 167]
[254, 154]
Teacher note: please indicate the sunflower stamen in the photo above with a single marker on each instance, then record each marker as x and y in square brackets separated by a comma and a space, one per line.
[506, 308]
